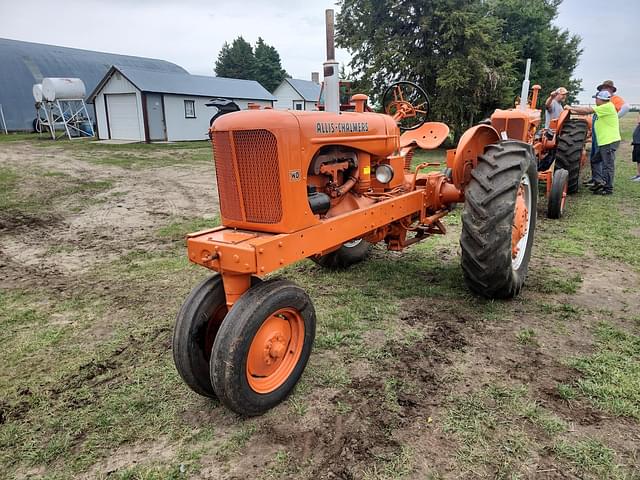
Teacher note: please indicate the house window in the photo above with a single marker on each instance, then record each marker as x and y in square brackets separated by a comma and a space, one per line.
[189, 109]
[298, 106]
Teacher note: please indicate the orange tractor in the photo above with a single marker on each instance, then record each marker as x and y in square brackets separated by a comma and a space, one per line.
[559, 150]
[326, 186]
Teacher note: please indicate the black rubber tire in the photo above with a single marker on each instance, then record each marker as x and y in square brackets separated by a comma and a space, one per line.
[195, 331]
[229, 356]
[345, 256]
[487, 219]
[569, 150]
[555, 208]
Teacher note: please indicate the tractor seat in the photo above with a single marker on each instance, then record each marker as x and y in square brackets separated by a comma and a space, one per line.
[428, 137]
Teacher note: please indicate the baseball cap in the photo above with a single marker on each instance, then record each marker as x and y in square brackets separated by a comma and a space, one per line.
[562, 91]
[603, 95]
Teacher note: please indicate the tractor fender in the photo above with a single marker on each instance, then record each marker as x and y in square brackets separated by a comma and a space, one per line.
[471, 145]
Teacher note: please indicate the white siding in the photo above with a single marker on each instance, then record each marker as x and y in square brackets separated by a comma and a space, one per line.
[116, 84]
[180, 128]
[286, 95]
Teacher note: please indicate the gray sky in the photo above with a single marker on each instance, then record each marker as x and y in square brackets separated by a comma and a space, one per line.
[191, 32]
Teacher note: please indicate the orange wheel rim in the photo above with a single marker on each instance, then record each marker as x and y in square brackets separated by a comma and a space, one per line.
[521, 221]
[275, 350]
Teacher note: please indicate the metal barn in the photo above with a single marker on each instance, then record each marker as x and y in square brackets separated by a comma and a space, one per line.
[24, 63]
[141, 105]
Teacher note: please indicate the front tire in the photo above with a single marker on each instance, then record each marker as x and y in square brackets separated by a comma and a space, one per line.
[569, 150]
[197, 326]
[558, 193]
[498, 220]
[262, 347]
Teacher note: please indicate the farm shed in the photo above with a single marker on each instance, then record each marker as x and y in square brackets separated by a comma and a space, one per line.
[136, 104]
[296, 94]
[26, 63]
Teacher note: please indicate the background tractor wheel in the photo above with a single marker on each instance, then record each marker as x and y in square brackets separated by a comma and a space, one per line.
[348, 254]
[262, 347]
[558, 193]
[197, 325]
[498, 220]
[569, 150]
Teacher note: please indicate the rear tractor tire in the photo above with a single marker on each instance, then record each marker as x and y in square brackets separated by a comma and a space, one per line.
[348, 254]
[197, 325]
[498, 220]
[569, 150]
[262, 347]
[558, 194]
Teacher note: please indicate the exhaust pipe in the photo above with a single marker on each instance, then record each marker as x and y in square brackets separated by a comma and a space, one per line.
[331, 79]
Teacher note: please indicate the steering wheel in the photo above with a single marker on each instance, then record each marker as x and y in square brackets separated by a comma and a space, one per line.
[407, 103]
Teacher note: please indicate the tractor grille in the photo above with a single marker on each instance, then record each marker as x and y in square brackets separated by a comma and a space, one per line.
[514, 127]
[249, 157]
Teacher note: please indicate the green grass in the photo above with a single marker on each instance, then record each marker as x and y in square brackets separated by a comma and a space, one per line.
[179, 227]
[589, 218]
[527, 337]
[611, 376]
[18, 137]
[589, 458]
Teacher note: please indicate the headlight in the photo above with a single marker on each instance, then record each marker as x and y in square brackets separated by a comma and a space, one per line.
[384, 173]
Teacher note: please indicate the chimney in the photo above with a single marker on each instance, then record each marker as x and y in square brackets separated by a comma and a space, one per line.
[315, 77]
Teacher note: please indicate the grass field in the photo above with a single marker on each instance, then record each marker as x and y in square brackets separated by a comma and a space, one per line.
[411, 375]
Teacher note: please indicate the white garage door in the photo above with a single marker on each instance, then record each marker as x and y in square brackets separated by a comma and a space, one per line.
[123, 117]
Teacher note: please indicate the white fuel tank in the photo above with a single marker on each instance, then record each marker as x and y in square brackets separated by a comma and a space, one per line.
[37, 92]
[63, 89]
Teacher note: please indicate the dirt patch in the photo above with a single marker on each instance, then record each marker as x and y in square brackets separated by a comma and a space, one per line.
[130, 456]
[375, 414]
[608, 286]
[79, 231]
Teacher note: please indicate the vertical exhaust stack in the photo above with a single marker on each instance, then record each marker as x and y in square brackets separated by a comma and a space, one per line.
[524, 93]
[331, 80]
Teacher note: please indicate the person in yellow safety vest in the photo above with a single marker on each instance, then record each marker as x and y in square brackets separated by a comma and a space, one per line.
[607, 130]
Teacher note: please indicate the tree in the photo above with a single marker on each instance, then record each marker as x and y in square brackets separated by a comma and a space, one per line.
[467, 54]
[554, 53]
[240, 60]
[268, 69]
[236, 61]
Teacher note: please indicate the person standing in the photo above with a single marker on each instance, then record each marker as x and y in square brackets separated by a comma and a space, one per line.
[607, 130]
[553, 105]
[622, 108]
[635, 156]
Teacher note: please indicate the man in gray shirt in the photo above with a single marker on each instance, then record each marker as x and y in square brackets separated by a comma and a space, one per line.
[553, 105]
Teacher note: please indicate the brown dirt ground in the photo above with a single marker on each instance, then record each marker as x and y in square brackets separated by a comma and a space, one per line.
[456, 352]
[119, 222]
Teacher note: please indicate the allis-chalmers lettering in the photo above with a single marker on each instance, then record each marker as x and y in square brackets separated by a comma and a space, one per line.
[342, 127]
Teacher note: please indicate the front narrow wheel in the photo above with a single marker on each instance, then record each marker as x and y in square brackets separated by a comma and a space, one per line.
[558, 194]
[262, 347]
[498, 220]
[197, 325]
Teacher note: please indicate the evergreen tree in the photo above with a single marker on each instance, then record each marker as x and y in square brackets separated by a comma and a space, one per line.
[240, 60]
[268, 69]
[236, 61]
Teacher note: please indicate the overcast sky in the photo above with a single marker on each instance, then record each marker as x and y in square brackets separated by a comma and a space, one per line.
[191, 32]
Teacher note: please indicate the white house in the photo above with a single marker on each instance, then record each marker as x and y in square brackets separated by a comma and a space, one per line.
[296, 94]
[145, 105]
